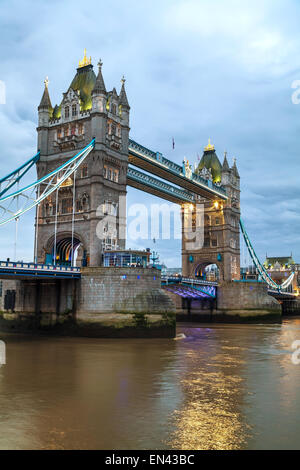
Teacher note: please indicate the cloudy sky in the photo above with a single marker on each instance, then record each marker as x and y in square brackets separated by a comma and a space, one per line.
[194, 69]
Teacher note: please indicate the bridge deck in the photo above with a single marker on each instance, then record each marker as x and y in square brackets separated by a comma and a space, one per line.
[139, 180]
[20, 270]
[155, 163]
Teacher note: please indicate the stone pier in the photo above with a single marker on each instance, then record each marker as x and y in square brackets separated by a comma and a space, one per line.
[104, 302]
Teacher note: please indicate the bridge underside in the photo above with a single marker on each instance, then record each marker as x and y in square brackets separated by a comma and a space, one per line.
[173, 176]
[140, 180]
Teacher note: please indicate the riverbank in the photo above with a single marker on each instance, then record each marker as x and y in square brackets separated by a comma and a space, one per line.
[112, 325]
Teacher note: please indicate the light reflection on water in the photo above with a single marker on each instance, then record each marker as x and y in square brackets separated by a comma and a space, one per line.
[221, 387]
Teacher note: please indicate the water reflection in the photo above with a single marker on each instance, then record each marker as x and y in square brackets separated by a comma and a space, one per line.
[222, 387]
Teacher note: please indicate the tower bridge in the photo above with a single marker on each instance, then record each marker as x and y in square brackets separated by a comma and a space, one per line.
[84, 163]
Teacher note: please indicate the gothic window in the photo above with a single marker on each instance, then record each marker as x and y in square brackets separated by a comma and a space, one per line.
[67, 112]
[115, 176]
[214, 242]
[206, 239]
[80, 129]
[66, 131]
[73, 130]
[110, 174]
[84, 171]
[217, 221]
[67, 205]
[110, 208]
[113, 129]
[59, 133]
[74, 110]
[78, 206]
[114, 108]
[232, 243]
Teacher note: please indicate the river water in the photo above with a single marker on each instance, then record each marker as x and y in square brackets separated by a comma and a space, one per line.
[220, 387]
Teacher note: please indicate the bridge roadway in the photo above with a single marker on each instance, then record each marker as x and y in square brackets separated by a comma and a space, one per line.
[157, 164]
[20, 270]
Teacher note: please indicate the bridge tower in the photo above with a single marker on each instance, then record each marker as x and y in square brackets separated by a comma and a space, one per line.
[221, 240]
[87, 111]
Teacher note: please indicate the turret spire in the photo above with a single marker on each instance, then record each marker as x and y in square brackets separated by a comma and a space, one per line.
[85, 61]
[225, 166]
[234, 168]
[99, 85]
[45, 101]
[123, 96]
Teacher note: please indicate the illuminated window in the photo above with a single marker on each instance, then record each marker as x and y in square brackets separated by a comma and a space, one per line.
[59, 133]
[80, 129]
[67, 112]
[74, 110]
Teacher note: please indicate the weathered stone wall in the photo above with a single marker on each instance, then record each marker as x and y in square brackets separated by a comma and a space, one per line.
[122, 290]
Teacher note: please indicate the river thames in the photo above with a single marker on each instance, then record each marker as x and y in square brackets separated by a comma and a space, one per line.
[219, 387]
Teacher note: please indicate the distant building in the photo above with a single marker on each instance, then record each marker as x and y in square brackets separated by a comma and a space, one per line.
[280, 268]
[173, 272]
[279, 263]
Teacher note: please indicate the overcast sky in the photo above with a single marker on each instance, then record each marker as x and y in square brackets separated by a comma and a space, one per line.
[194, 69]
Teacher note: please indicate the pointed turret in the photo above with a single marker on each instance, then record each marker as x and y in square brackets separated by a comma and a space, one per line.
[234, 169]
[211, 162]
[123, 97]
[99, 85]
[45, 101]
[225, 166]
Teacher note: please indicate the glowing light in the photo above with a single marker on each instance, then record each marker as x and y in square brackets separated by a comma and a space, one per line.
[216, 205]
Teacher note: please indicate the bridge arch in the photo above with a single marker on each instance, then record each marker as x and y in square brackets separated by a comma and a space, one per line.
[66, 250]
[207, 270]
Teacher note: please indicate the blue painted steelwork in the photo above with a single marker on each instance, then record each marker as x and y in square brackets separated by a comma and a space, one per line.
[205, 287]
[142, 179]
[43, 187]
[158, 160]
[188, 292]
[260, 267]
[20, 269]
[16, 175]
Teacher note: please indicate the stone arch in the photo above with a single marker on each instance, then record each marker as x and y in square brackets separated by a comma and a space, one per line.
[65, 249]
[205, 262]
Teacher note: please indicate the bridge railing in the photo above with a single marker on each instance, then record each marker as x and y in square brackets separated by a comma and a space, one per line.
[188, 280]
[37, 267]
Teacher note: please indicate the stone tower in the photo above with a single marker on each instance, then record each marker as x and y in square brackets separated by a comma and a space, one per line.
[86, 111]
[221, 238]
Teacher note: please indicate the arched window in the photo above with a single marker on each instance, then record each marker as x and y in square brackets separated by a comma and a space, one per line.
[84, 171]
[74, 110]
[114, 108]
[67, 112]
